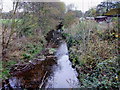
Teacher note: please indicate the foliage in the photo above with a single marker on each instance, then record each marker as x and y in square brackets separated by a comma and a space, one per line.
[69, 18]
[31, 51]
[4, 72]
[93, 51]
[92, 46]
[43, 15]
[28, 24]
[103, 7]
[91, 12]
[23, 32]
[8, 21]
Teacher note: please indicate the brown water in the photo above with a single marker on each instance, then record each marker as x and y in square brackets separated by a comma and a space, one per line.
[60, 73]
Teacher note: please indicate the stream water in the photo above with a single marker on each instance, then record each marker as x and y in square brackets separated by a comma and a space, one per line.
[63, 75]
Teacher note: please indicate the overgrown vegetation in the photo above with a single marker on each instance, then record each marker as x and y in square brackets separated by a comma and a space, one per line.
[93, 47]
[23, 33]
[93, 51]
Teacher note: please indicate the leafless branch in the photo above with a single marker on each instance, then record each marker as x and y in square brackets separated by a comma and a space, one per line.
[43, 80]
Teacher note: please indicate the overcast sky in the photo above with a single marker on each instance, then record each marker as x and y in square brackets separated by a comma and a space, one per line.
[83, 5]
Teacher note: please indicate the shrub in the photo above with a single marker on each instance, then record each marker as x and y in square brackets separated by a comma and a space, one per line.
[94, 56]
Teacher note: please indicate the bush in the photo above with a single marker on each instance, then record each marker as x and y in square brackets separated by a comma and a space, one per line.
[94, 56]
[5, 71]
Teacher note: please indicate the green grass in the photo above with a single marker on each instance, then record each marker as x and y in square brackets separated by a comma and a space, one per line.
[0, 69]
[4, 72]
[9, 21]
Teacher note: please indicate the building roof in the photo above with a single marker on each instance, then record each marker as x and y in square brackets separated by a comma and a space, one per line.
[101, 17]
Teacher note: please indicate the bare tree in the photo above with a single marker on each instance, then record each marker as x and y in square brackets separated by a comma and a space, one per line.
[6, 36]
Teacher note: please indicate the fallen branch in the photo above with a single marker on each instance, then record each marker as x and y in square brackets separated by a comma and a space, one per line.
[43, 80]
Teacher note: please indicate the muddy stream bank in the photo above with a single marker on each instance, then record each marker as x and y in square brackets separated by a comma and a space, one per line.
[54, 71]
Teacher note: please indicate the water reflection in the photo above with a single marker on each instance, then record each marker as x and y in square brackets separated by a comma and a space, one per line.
[60, 73]
[32, 77]
[64, 76]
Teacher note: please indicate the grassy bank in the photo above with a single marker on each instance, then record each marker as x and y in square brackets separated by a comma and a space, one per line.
[93, 49]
